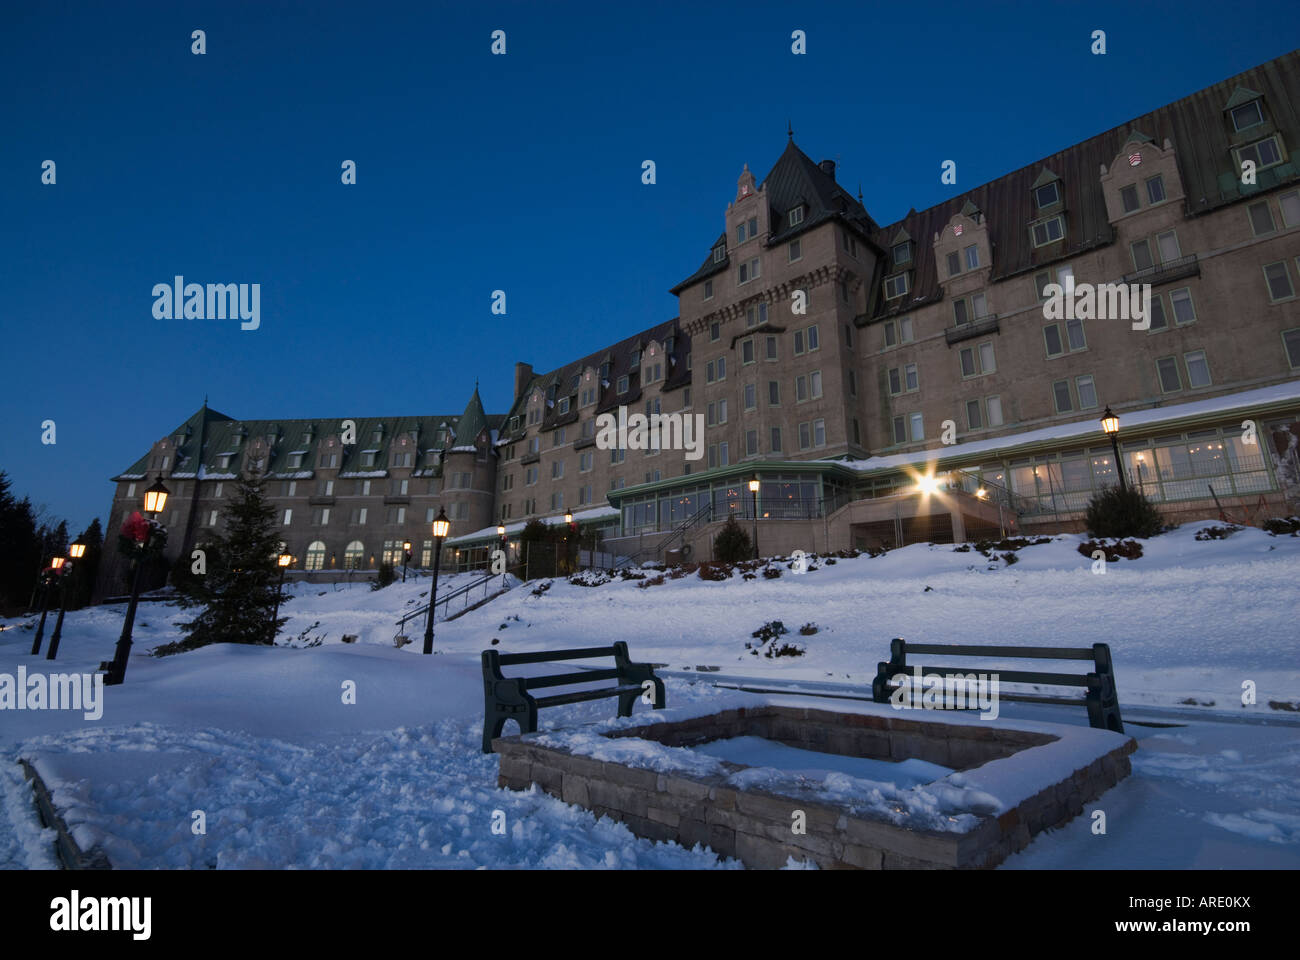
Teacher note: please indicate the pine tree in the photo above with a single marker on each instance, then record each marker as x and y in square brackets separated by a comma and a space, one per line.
[732, 544]
[20, 550]
[238, 591]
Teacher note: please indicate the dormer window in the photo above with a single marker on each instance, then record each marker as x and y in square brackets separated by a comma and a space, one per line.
[634, 361]
[563, 406]
[1048, 230]
[1247, 115]
[796, 216]
[719, 253]
[896, 286]
[1048, 194]
[1263, 153]
[573, 383]
[377, 435]
[902, 253]
[604, 370]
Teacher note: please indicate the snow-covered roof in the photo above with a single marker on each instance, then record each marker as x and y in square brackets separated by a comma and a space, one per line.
[490, 533]
[1082, 428]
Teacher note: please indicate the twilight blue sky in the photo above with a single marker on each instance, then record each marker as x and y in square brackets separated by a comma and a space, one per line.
[475, 172]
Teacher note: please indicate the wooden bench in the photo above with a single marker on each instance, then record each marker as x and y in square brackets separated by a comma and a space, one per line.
[1100, 697]
[509, 698]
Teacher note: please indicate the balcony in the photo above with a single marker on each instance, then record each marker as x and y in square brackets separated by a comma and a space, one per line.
[968, 331]
[583, 442]
[397, 498]
[321, 501]
[528, 458]
[1188, 266]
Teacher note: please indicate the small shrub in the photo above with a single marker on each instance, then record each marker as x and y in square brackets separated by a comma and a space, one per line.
[1129, 549]
[715, 571]
[1010, 558]
[808, 629]
[1216, 533]
[961, 548]
[541, 588]
[830, 561]
[651, 582]
[676, 573]
[771, 573]
[1123, 513]
[385, 576]
[785, 650]
[732, 544]
[1283, 526]
[770, 631]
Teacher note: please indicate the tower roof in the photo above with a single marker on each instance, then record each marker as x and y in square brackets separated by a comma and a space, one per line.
[471, 421]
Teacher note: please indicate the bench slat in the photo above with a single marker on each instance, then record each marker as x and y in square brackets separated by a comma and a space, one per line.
[563, 679]
[583, 695]
[1030, 653]
[1019, 697]
[544, 656]
[1005, 676]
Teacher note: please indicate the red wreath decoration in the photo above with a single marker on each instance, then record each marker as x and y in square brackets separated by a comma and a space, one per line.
[136, 527]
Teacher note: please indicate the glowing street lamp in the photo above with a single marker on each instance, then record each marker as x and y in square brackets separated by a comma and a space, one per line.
[440, 527]
[48, 577]
[76, 550]
[284, 561]
[753, 496]
[501, 542]
[1110, 424]
[406, 557]
[155, 499]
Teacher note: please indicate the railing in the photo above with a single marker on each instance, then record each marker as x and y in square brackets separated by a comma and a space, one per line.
[968, 331]
[1188, 266]
[445, 601]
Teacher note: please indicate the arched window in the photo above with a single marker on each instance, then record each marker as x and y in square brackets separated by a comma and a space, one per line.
[316, 555]
[353, 555]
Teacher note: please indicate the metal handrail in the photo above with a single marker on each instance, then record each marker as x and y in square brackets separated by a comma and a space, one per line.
[442, 601]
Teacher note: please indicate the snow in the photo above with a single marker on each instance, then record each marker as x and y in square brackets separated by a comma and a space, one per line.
[288, 774]
[1138, 418]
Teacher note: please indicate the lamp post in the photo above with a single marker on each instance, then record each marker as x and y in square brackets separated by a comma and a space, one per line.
[501, 539]
[440, 526]
[45, 609]
[568, 528]
[284, 561]
[76, 550]
[406, 557]
[155, 499]
[1110, 423]
[753, 495]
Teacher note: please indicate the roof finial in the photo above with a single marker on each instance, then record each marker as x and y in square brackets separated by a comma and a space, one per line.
[789, 131]
[859, 191]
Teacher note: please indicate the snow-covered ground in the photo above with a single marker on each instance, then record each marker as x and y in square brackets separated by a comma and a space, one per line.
[286, 773]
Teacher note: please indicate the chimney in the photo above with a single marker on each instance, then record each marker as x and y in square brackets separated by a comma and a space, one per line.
[523, 373]
[828, 168]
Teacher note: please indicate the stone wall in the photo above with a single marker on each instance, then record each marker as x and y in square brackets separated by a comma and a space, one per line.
[755, 826]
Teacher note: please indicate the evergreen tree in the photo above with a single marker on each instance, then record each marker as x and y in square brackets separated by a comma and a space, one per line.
[238, 592]
[20, 549]
[732, 544]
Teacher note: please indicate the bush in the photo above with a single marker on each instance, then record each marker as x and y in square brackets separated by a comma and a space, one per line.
[385, 576]
[808, 629]
[1123, 513]
[1216, 533]
[715, 571]
[652, 582]
[1283, 526]
[732, 544]
[771, 573]
[1129, 549]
